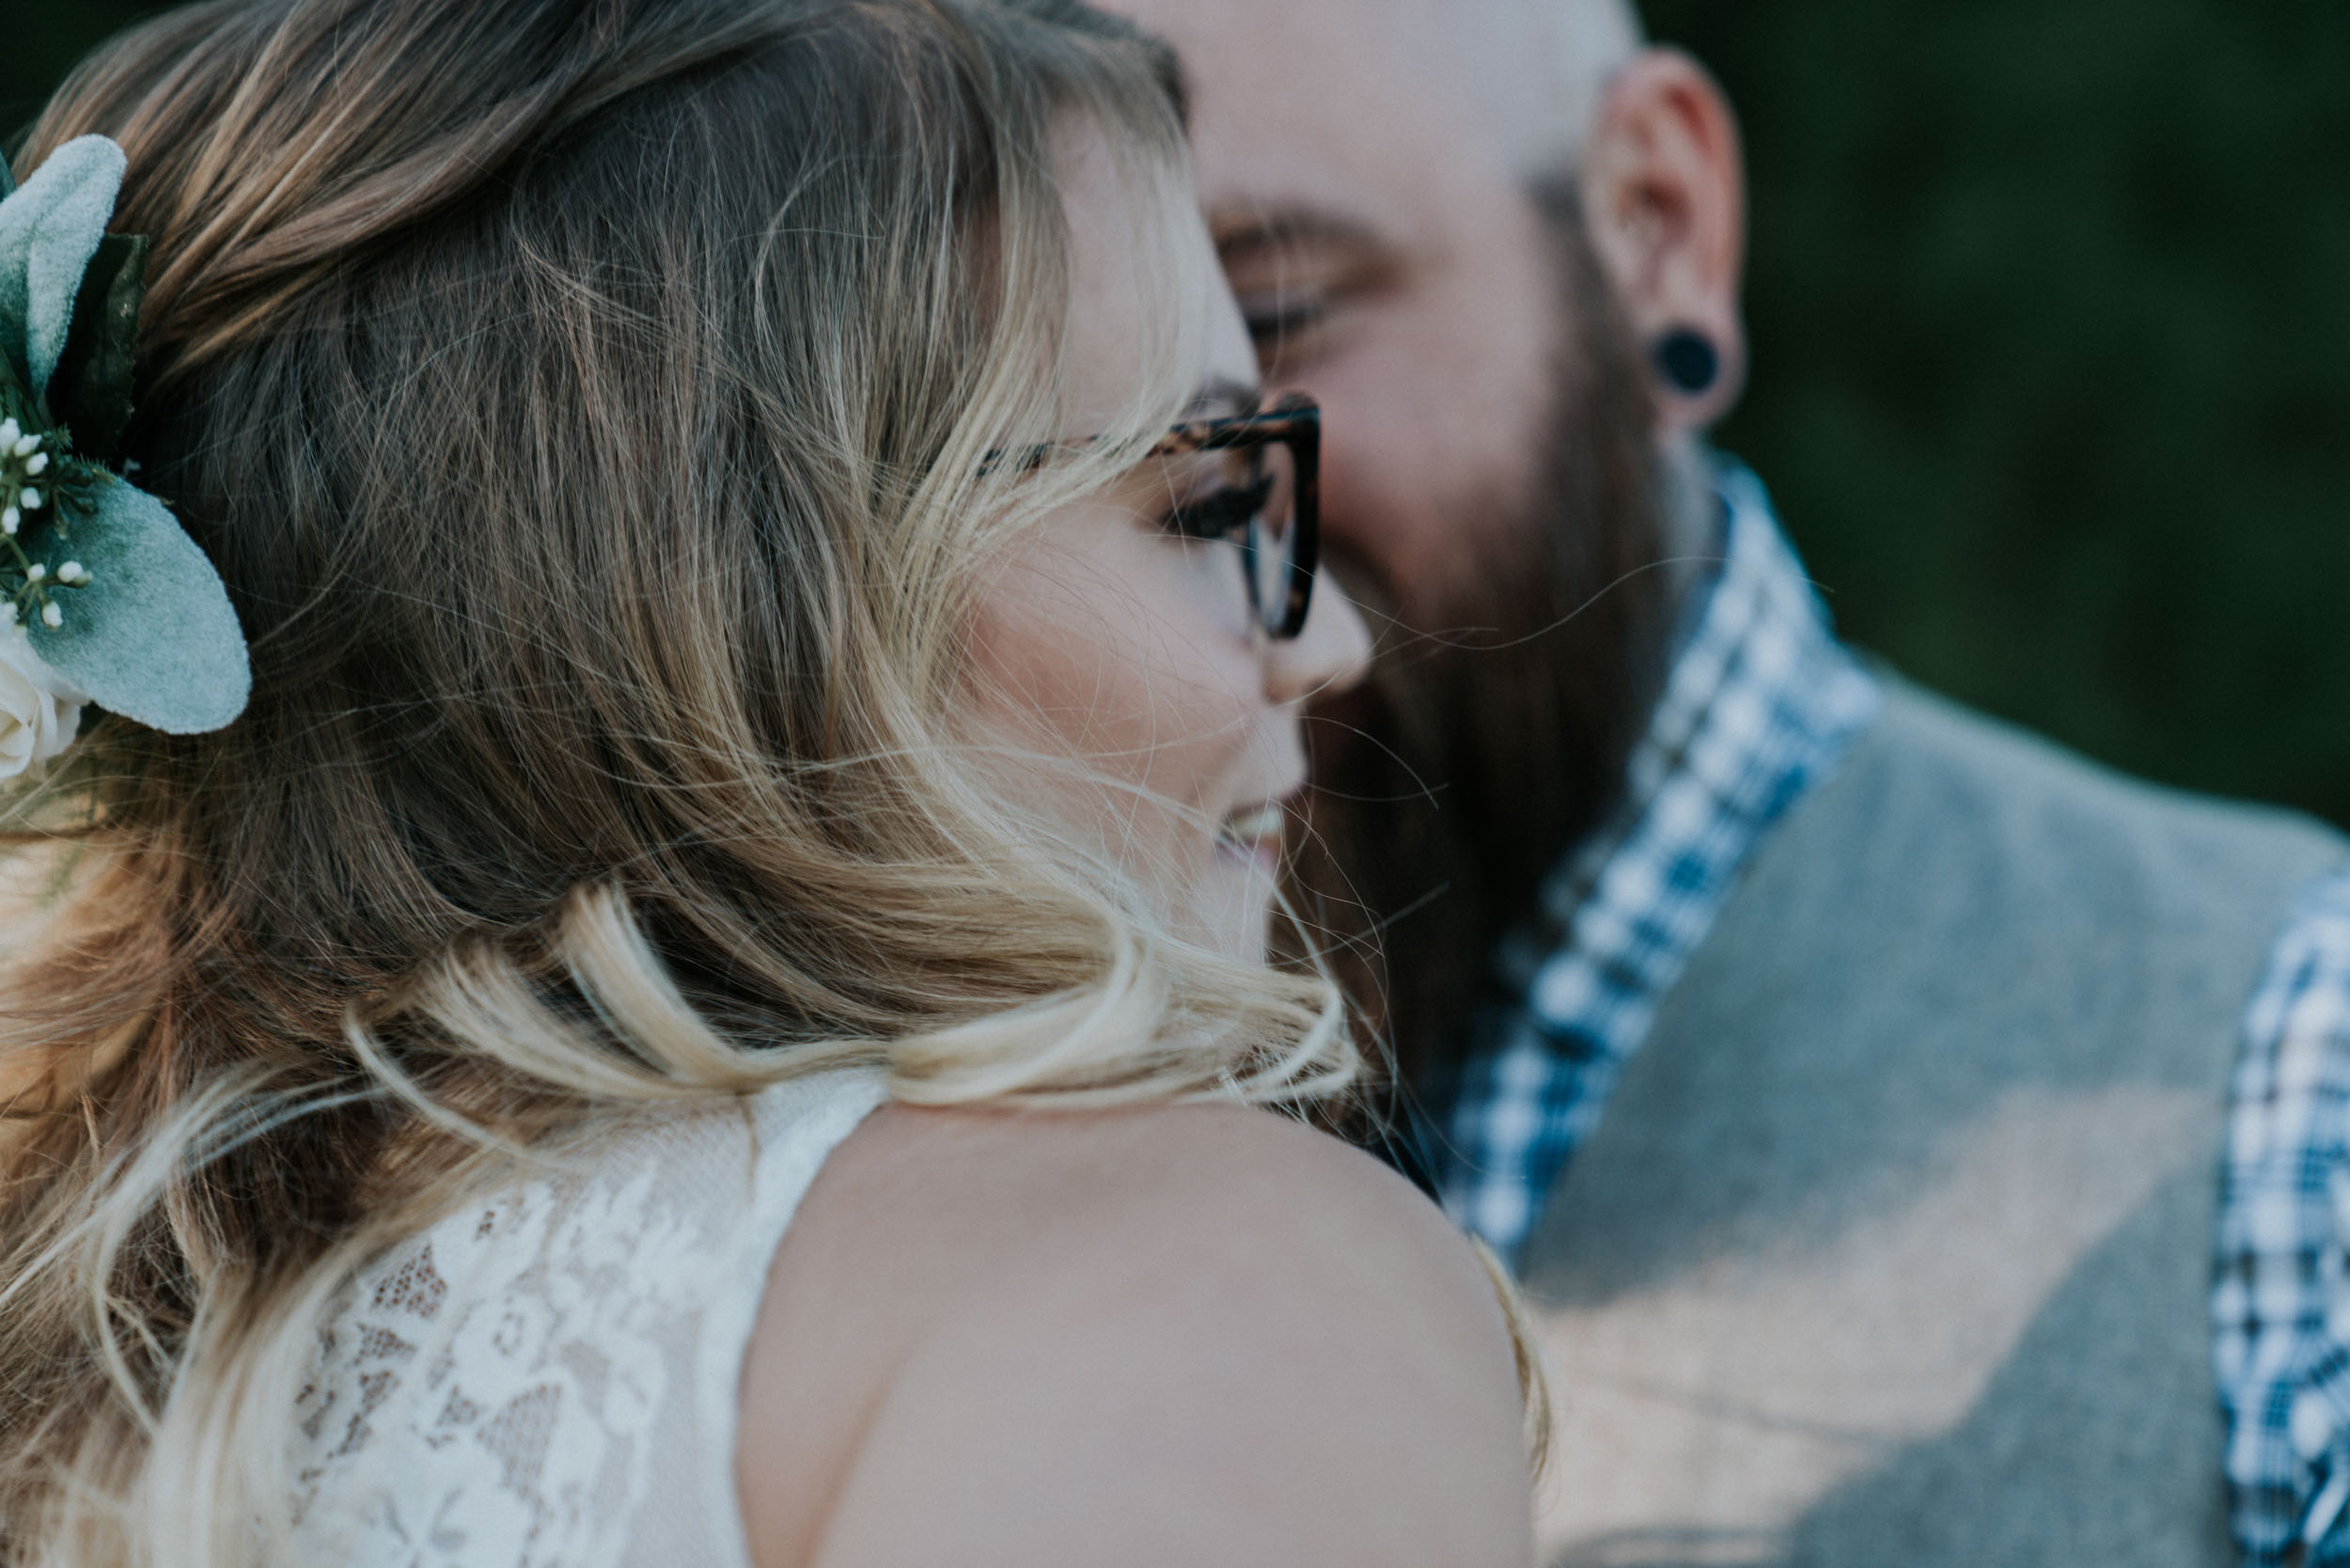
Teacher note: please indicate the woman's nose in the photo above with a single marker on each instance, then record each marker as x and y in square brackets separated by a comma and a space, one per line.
[1329, 655]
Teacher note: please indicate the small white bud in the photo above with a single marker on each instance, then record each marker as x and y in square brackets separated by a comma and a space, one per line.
[9, 518]
[38, 465]
[72, 574]
[26, 445]
[52, 617]
[10, 431]
[29, 499]
[38, 573]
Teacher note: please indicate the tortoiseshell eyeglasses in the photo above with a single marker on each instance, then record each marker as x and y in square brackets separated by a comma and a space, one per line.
[1268, 503]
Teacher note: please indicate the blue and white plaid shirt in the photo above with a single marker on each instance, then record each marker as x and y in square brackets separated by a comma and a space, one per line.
[2280, 1304]
[1760, 703]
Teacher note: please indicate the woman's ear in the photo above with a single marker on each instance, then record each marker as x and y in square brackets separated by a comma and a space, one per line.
[1664, 190]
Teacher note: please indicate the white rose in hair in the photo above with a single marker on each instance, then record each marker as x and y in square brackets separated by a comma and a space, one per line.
[40, 712]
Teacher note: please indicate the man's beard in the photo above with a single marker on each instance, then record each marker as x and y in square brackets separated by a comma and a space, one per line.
[1493, 731]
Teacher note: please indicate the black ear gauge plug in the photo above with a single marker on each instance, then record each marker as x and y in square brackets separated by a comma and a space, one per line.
[1688, 360]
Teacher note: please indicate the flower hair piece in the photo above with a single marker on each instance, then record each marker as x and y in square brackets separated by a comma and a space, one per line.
[104, 596]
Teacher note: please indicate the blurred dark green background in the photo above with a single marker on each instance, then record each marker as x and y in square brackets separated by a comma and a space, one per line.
[2051, 314]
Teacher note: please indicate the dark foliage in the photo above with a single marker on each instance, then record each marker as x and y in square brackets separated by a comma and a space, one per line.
[2051, 314]
[44, 39]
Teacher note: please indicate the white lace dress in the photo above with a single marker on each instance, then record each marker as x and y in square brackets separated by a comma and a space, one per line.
[550, 1377]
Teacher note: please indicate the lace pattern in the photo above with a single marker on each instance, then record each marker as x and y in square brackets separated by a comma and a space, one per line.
[547, 1378]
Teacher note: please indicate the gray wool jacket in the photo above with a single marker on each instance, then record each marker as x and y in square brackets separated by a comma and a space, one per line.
[1894, 1244]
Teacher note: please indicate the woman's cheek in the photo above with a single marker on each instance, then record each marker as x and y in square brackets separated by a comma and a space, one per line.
[1198, 687]
[1116, 647]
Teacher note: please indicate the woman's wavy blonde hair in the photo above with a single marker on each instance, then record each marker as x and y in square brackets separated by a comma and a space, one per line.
[588, 404]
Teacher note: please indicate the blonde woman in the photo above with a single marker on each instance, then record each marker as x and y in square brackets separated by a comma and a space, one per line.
[708, 1006]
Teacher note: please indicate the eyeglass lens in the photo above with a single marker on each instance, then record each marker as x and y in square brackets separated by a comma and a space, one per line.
[1268, 548]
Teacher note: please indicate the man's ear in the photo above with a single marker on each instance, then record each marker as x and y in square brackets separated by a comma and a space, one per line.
[1664, 191]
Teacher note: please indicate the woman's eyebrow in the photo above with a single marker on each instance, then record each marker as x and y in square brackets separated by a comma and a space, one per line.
[1224, 396]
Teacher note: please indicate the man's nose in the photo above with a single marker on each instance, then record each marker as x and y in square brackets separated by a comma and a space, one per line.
[1329, 655]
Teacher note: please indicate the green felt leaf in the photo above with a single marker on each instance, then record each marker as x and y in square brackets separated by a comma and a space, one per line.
[49, 230]
[153, 636]
[90, 393]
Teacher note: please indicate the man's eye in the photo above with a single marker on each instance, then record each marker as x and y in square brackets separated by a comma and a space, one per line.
[1290, 312]
[1220, 513]
[1299, 277]
[1280, 322]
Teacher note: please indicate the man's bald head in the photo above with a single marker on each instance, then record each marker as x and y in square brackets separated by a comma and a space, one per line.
[1534, 72]
[1543, 68]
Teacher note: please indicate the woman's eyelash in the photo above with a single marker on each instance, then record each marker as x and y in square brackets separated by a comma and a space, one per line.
[1220, 513]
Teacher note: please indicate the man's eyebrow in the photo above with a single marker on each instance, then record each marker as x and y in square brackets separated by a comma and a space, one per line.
[1263, 225]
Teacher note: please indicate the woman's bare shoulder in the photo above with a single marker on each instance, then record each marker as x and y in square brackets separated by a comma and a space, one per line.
[1174, 1334]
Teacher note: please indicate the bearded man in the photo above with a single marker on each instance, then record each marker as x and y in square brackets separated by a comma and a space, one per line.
[1869, 1094]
